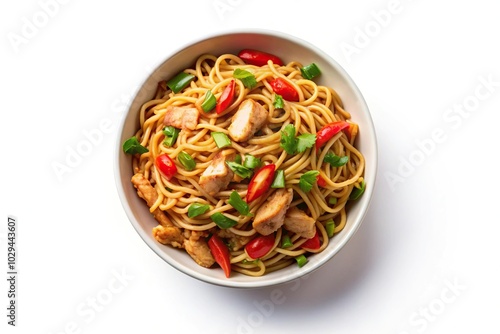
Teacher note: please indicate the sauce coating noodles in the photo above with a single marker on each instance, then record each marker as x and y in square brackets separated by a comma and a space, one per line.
[169, 199]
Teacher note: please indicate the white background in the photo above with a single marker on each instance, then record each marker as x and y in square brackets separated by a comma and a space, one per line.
[426, 257]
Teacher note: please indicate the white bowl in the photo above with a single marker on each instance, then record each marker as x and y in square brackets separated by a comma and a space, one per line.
[288, 48]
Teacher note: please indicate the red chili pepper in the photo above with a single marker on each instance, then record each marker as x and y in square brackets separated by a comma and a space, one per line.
[226, 98]
[260, 246]
[328, 131]
[260, 182]
[313, 243]
[285, 89]
[258, 58]
[321, 181]
[166, 166]
[220, 252]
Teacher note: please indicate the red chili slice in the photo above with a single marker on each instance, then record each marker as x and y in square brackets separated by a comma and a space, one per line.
[313, 243]
[285, 89]
[220, 252]
[258, 58]
[166, 166]
[328, 131]
[226, 98]
[260, 246]
[260, 182]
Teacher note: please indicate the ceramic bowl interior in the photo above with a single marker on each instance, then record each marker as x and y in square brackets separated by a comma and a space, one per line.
[288, 48]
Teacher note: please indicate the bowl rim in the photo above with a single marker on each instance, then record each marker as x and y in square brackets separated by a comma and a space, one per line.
[117, 147]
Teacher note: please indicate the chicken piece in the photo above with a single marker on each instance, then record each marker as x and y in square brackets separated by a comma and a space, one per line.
[270, 216]
[217, 175]
[236, 242]
[297, 221]
[148, 193]
[169, 235]
[182, 117]
[249, 118]
[197, 247]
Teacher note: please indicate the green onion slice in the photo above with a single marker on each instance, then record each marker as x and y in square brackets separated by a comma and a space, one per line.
[310, 71]
[222, 221]
[279, 179]
[180, 81]
[239, 204]
[251, 161]
[286, 242]
[221, 139]
[186, 160]
[171, 135]
[330, 227]
[357, 192]
[132, 146]
[196, 209]
[240, 170]
[209, 102]
[301, 260]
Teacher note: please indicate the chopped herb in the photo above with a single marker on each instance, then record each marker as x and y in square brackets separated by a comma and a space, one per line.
[310, 71]
[251, 161]
[186, 160]
[237, 159]
[222, 221]
[305, 141]
[209, 102]
[221, 139]
[335, 160]
[292, 144]
[171, 134]
[239, 204]
[307, 180]
[279, 179]
[240, 170]
[132, 146]
[247, 78]
[278, 102]
[197, 209]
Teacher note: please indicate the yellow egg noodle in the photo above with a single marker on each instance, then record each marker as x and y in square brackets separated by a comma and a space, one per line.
[317, 106]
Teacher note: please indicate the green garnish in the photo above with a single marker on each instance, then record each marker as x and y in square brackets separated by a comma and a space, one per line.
[301, 260]
[307, 180]
[278, 102]
[251, 161]
[335, 160]
[171, 134]
[279, 179]
[180, 81]
[357, 192]
[332, 200]
[310, 71]
[247, 78]
[197, 209]
[222, 221]
[240, 170]
[292, 144]
[132, 146]
[221, 139]
[286, 242]
[330, 227]
[239, 204]
[209, 102]
[186, 160]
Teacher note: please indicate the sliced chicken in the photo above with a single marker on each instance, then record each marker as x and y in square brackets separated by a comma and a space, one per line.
[271, 215]
[297, 221]
[249, 118]
[182, 117]
[148, 193]
[197, 247]
[236, 242]
[169, 234]
[217, 175]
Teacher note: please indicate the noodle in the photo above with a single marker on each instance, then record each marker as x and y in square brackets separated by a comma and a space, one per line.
[317, 106]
